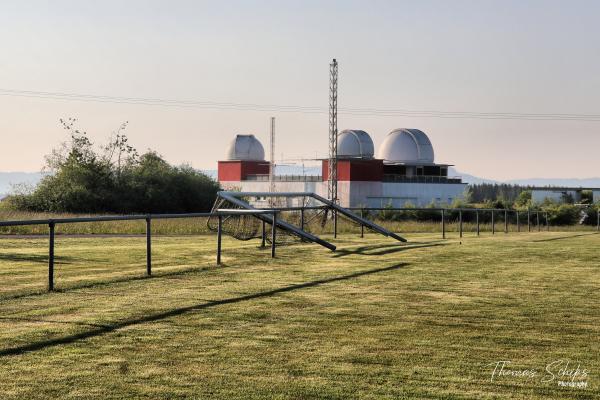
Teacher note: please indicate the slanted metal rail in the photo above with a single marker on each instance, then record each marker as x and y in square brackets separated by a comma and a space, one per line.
[232, 197]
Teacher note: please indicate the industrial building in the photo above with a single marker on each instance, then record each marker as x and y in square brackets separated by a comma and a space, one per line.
[403, 171]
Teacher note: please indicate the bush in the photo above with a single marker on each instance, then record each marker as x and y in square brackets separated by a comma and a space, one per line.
[116, 180]
[563, 214]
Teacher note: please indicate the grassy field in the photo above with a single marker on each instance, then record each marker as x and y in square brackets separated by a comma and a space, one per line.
[376, 319]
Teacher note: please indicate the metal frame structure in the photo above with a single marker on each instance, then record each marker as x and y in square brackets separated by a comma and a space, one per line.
[272, 157]
[235, 198]
[333, 132]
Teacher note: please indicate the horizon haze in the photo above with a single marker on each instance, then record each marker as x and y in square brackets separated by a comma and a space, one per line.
[464, 56]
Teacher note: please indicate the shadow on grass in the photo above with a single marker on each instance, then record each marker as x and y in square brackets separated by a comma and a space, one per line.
[102, 330]
[37, 258]
[565, 237]
[379, 250]
[86, 285]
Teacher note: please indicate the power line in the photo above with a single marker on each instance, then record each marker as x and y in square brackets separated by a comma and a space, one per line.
[301, 109]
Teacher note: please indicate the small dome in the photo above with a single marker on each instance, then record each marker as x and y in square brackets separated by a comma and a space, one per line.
[408, 146]
[355, 143]
[245, 148]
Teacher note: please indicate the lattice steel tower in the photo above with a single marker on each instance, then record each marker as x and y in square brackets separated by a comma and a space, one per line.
[332, 182]
[272, 158]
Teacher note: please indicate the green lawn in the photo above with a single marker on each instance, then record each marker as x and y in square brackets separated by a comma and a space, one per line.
[376, 319]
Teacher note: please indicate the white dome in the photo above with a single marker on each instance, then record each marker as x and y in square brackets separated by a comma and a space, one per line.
[355, 143]
[245, 148]
[408, 146]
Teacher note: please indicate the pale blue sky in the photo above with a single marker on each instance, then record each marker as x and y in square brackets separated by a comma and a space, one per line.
[486, 56]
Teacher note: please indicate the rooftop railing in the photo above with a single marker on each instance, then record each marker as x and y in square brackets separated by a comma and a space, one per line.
[421, 179]
[285, 178]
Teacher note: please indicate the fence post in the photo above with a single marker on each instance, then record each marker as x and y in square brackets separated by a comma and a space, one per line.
[597, 218]
[148, 246]
[219, 232]
[505, 221]
[528, 220]
[273, 234]
[547, 224]
[302, 218]
[443, 225]
[493, 224]
[537, 218]
[460, 224]
[518, 225]
[51, 257]
[335, 221]
[362, 227]
[264, 234]
[477, 219]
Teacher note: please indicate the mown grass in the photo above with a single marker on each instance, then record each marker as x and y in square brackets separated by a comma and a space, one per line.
[376, 319]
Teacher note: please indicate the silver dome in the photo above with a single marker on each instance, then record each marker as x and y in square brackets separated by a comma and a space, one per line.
[245, 148]
[355, 143]
[407, 146]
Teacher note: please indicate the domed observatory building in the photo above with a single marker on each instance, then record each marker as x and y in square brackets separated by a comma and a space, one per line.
[404, 171]
[359, 172]
[410, 174]
[245, 157]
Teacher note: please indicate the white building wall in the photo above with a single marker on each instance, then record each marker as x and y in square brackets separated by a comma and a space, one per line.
[418, 194]
[263, 186]
[363, 194]
[538, 196]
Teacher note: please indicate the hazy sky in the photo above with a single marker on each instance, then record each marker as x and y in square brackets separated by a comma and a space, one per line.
[480, 56]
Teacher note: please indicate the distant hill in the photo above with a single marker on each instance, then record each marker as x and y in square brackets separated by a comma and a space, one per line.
[8, 179]
[470, 179]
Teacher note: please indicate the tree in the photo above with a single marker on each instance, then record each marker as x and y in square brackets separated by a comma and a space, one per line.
[115, 179]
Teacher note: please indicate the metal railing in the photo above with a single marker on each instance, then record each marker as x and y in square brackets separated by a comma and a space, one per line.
[478, 212]
[52, 222]
[285, 178]
[421, 179]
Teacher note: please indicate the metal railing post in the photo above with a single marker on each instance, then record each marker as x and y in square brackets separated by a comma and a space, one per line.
[443, 225]
[547, 224]
[362, 227]
[273, 234]
[493, 224]
[598, 218]
[528, 220]
[264, 234]
[335, 222]
[460, 224]
[219, 233]
[51, 257]
[518, 224]
[477, 221]
[505, 221]
[302, 218]
[148, 246]
[537, 218]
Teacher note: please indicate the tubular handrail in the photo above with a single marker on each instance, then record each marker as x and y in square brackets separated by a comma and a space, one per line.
[52, 222]
[105, 218]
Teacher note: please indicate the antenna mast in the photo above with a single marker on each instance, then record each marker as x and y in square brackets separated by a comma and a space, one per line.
[333, 132]
[272, 159]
